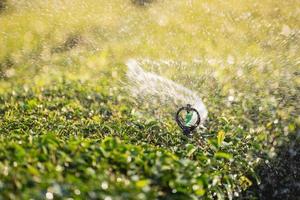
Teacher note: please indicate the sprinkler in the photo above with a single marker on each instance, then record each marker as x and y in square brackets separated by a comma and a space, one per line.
[184, 119]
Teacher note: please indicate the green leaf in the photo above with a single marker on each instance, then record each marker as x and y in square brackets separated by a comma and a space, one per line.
[142, 183]
[191, 151]
[223, 155]
[32, 170]
[221, 136]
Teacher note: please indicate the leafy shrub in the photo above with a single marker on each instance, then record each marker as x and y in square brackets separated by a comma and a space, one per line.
[69, 129]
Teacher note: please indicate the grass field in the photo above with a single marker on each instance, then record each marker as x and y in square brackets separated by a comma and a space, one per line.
[69, 128]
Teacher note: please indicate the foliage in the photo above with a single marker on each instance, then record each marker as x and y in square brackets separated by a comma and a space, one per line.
[69, 128]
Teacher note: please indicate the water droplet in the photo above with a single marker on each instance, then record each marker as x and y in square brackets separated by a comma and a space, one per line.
[230, 98]
[104, 185]
[49, 195]
[77, 192]
[107, 198]
[286, 30]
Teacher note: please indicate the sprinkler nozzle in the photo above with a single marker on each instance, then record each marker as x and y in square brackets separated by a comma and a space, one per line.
[185, 123]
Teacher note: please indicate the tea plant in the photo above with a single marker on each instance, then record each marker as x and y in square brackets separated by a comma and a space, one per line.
[70, 129]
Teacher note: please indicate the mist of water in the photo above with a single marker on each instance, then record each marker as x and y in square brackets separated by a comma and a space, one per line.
[154, 89]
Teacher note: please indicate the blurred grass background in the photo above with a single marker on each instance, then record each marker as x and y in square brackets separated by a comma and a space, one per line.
[242, 57]
[42, 33]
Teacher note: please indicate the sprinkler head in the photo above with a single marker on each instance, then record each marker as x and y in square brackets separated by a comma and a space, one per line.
[184, 119]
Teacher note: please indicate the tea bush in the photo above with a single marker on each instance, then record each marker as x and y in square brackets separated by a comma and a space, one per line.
[70, 129]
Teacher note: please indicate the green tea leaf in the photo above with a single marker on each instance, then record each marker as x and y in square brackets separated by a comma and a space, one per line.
[223, 155]
[221, 136]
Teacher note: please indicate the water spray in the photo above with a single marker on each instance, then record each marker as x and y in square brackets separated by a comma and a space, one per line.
[188, 119]
[152, 88]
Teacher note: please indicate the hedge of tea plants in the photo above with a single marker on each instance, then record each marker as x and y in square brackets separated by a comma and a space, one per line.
[70, 128]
